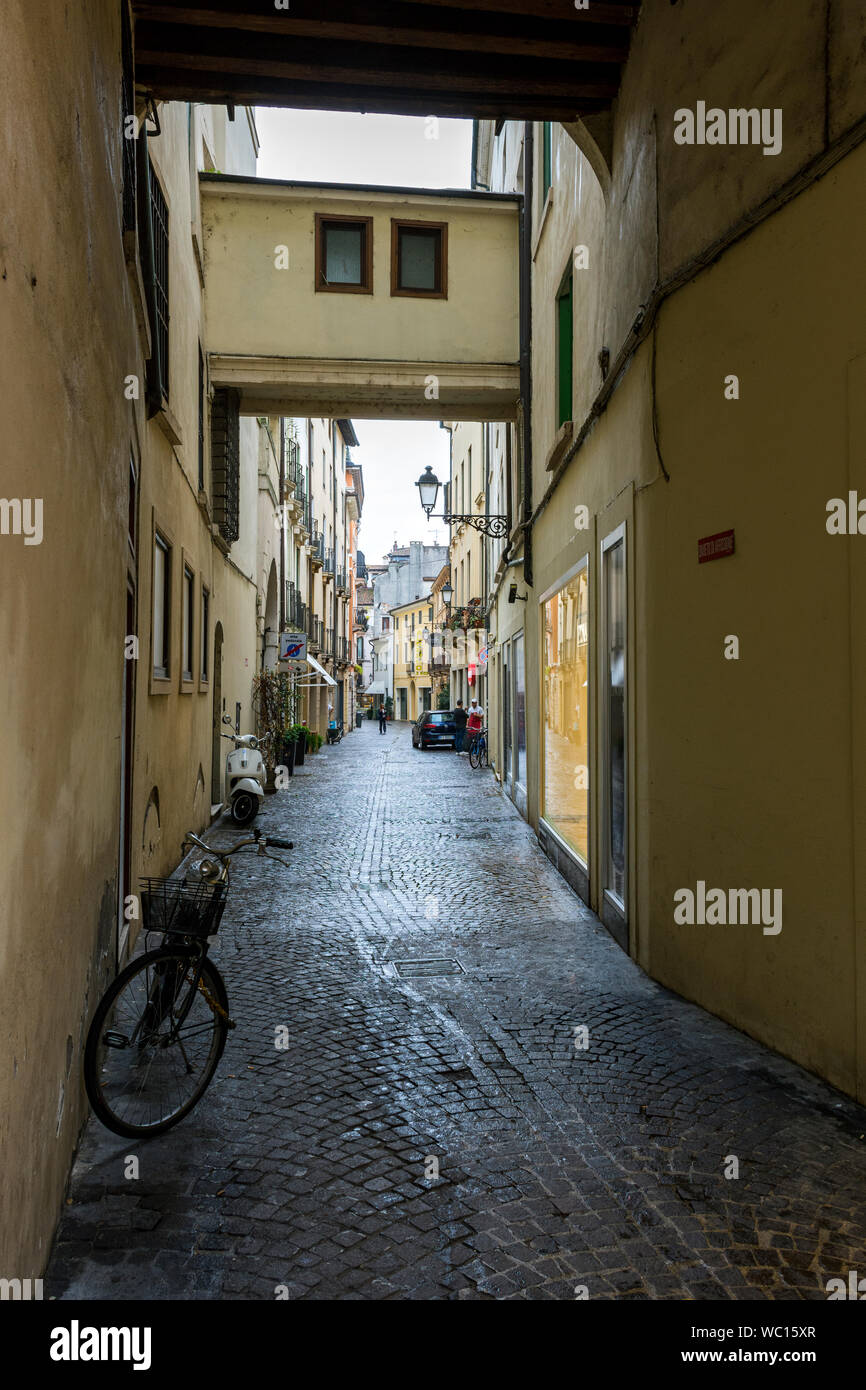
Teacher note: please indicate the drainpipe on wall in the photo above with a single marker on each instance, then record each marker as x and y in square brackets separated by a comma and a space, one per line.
[525, 320]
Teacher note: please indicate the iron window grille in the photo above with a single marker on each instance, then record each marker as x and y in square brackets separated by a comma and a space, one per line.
[159, 223]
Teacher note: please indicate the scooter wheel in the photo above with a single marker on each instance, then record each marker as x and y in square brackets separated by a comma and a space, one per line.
[245, 808]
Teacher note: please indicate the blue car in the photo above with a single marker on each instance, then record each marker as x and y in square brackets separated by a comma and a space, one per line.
[435, 728]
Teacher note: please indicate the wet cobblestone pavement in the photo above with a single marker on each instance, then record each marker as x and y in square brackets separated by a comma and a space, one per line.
[312, 1170]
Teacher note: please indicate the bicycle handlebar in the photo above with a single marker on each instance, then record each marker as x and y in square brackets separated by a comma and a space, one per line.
[257, 838]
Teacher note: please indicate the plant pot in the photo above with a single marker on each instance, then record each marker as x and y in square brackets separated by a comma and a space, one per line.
[300, 746]
[287, 756]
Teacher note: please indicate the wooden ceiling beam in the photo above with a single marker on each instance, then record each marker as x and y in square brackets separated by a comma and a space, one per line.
[513, 42]
[534, 80]
[244, 16]
[173, 84]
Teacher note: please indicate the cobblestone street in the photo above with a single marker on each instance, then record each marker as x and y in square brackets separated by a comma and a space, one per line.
[558, 1167]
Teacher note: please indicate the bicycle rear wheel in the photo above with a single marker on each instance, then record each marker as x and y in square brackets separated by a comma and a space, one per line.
[475, 753]
[155, 1041]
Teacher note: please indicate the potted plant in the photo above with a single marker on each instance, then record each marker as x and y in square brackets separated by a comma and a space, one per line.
[289, 748]
[314, 741]
[298, 735]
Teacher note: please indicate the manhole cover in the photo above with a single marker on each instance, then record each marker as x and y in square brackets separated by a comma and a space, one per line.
[432, 966]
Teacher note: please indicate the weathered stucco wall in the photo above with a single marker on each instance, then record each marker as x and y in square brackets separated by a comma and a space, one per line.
[67, 342]
[750, 772]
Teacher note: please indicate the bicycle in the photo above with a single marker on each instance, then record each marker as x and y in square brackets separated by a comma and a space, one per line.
[478, 749]
[160, 1028]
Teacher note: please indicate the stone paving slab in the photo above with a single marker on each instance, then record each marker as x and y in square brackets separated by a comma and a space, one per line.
[441, 1136]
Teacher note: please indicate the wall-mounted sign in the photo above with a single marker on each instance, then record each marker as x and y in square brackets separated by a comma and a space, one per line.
[293, 646]
[715, 547]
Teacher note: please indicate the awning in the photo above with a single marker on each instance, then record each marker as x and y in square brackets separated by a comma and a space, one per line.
[311, 661]
[377, 688]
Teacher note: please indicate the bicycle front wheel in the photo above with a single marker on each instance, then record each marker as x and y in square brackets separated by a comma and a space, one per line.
[474, 753]
[155, 1041]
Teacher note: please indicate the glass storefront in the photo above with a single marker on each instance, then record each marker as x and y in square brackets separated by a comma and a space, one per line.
[506, 714]
[565, 788]
[520, 710]
[614, 646]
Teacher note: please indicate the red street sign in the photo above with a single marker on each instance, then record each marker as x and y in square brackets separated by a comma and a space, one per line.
[715, 547]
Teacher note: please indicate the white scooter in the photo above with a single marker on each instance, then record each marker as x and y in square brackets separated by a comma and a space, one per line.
[245, 777]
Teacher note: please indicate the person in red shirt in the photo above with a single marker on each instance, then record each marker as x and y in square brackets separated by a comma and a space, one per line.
[476, 718]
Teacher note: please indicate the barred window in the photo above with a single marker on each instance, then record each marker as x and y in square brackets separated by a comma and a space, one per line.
[159, 223]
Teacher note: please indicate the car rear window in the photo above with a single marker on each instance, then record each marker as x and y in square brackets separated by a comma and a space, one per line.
[438, 717]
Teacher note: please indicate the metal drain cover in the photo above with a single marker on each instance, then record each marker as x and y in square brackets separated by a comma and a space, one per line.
[433, 965]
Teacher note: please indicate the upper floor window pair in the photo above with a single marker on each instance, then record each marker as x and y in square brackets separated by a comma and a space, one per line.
[419, 257]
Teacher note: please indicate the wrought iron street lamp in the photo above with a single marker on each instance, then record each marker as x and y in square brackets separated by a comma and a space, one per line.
[428, 488]
[446, 593]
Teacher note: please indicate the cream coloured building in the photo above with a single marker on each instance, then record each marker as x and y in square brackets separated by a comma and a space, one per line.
[696, 373]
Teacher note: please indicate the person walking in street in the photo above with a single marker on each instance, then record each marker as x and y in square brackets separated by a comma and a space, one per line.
[460, 718]
[475, 721]
[383, 720]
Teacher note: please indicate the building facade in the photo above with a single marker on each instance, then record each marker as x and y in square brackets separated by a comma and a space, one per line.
[644, 720]
[412, 628]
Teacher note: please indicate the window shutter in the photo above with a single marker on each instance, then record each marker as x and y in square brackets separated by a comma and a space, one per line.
[225, 462]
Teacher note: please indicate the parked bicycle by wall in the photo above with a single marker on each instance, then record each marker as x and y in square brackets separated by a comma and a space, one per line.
[478, 749]
[159, 1030]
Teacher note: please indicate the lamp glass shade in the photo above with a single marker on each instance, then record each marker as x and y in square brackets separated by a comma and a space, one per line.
[447, 594]
[428, 487]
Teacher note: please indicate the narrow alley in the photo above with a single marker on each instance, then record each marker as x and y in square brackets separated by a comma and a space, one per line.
[436, 1127]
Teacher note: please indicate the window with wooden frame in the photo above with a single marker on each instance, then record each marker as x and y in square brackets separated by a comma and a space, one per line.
[187, 636]
[202, 411]
[159, 326]
[204, 664]
[419, 259]
[344, 254]
[161, 607]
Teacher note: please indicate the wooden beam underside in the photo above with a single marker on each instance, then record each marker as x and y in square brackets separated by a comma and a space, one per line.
[533, 59]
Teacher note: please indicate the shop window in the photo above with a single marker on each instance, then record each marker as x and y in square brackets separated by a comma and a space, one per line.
[565, 716]
[614, 737]
[419, 259]
[520, 710]
[344, 254]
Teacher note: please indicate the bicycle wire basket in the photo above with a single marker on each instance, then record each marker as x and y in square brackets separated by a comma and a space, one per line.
[178, 907]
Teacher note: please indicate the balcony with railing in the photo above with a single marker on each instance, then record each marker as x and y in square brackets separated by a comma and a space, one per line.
[317, 547]
[328, 567]
[329, 641]
[313, 627]
[296, 609]
[340, 583]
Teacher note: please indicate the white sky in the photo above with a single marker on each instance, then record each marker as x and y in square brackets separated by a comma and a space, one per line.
[407, 151]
